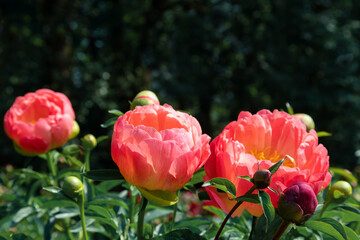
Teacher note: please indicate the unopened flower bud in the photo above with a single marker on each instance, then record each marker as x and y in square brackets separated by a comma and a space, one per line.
[72, 187]
[145, 97]
[341, 190]
[307, 120]
[75, 130]
[88, 142]
[297, 203]
[262, 178]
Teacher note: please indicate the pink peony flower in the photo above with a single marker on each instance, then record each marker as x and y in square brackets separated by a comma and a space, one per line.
[158, 148]
[265, 138]
[40, 121]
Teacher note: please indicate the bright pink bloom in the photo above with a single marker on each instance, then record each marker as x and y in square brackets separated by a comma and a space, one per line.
[40, 121]
[265, 138]
[158, 148]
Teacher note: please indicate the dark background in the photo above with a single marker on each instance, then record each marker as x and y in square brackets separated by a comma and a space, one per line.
[212, 59]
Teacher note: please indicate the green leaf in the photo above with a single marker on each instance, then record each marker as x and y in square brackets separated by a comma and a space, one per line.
[104, 174]
[55, 190]
[101, 138]
[67, 172]
[323, 134]
[289, 108]
[248, 178]
[344, 173]
[328, 226]
[59, 203]
[67, 213]
[22, 213]
[33, 174]
[197, 177]
[276, 166]
[351, 234]
[269, 210]
[101, 211]
[214, 210]
[252, 198]
[192, 222]
[180, 234]
[109, 122]
[116, 112]
[223, 184]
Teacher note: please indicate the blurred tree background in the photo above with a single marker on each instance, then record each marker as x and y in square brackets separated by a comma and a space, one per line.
[210, 58]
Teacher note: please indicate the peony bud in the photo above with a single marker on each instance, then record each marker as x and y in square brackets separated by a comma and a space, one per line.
[144, 98]
[262, 178]
[89, 142]
[307, 120]
[297, 203]
[75, 130]
[340, 191]
[72, 187]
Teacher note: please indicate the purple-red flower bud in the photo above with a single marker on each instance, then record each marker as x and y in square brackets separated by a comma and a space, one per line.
[297, 203]
[262, 178]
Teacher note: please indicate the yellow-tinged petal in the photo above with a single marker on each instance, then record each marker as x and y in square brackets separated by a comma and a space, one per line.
[159, 198]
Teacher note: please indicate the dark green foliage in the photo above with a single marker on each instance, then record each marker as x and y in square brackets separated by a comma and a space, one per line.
[210, 58]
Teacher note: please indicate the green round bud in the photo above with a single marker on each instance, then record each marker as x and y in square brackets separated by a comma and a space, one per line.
[262, 178]
[340, 191]
[307, 120]
[145, 97]
[89, 142]
[72, 187]
[75, 130]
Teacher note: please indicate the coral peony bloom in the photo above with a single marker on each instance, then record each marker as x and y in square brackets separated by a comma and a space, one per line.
[40, 121]
[158, 148]
[265, 138]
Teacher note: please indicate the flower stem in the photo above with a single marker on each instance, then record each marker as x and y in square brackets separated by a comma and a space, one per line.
[253, 224]
[174, 213]
[81, 203]
[231, 212]
[140, 223]
[52, 167]
[132, 204]
[326, 204]
[87, 160]
[280, 231]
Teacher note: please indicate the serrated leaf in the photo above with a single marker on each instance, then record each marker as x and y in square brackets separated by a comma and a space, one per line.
[269, 210]
[252, 198]
[109, 122]
[223, 184]
[116, 112]
[276, 166]
[328, 226]
[104, 174]
[323, 134]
